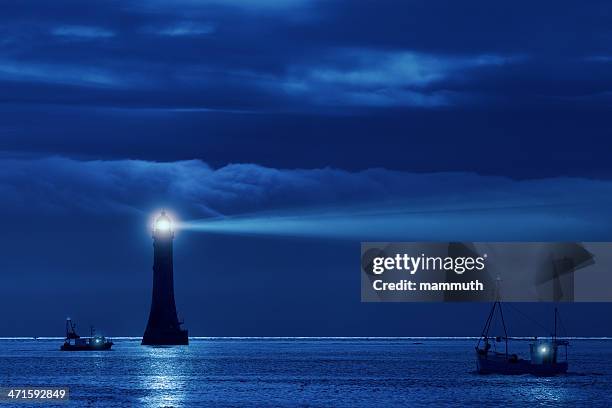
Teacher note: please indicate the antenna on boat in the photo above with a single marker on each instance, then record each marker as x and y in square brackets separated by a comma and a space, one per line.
[498, 281]
[555, 335]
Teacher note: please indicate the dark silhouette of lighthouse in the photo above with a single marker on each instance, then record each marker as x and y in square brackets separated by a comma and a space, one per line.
[163, 327]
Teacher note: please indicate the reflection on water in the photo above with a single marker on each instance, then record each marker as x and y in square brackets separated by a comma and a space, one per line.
[164, 376]
[548, 391]
[300, 372]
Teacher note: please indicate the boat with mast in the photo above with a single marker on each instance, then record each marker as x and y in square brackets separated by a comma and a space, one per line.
[545, 356]
[74, 342]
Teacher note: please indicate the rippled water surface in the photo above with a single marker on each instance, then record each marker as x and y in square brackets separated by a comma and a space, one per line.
[300, 372]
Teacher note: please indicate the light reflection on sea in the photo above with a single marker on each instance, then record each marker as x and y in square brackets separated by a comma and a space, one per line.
[297, 372]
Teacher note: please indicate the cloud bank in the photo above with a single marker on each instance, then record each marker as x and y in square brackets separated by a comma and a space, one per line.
[247, 198]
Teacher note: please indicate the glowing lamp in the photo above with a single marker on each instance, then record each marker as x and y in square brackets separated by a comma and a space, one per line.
[543, 349]
[163, 223]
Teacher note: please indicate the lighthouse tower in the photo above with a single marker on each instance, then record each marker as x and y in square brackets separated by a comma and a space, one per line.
[163, 327]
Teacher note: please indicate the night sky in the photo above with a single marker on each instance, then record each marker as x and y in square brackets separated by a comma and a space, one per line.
[438, 120]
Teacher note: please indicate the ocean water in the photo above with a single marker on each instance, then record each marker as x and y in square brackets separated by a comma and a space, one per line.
[299, 372]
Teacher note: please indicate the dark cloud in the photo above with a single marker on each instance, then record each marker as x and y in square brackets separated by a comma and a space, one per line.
[374, 202]
[302, 54]
[313, 83]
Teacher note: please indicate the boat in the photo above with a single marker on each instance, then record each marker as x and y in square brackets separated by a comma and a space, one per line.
[74, 342]
[548, 356]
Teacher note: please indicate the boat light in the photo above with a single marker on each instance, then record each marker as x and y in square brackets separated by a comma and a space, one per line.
[543, 349]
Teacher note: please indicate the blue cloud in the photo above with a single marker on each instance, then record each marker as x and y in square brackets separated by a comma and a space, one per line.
[80, 75]
[406, 78]
[184, 29]
[300, 55]
[372, 68]
[375, 203]
[369, 77]
[341, 74]
[82, 32]
[263, 5]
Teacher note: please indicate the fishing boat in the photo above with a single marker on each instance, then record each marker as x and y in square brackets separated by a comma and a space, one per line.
[74, 342]
[548, 356]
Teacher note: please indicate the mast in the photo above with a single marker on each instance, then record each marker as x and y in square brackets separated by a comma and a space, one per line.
[70, 330]
[504, 325]
[555, 336]
[487, 326]
[485, 329]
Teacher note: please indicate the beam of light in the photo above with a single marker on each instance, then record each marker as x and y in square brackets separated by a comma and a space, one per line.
[535, 222]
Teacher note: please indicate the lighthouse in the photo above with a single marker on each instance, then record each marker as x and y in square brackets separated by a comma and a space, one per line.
[163, 327]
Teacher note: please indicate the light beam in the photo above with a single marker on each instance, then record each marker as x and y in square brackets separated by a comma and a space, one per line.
[399, 223]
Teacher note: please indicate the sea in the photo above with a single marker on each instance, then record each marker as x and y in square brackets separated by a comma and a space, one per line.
[299, 372]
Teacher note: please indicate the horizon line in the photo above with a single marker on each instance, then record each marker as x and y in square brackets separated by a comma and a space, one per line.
[319, 337]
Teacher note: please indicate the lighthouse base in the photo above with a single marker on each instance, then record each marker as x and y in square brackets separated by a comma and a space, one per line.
[165, 338]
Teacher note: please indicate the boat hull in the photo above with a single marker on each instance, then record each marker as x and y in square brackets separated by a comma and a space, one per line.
[499, 364]
[86, 347]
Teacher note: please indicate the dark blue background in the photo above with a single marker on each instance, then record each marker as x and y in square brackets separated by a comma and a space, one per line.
[103, 104]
